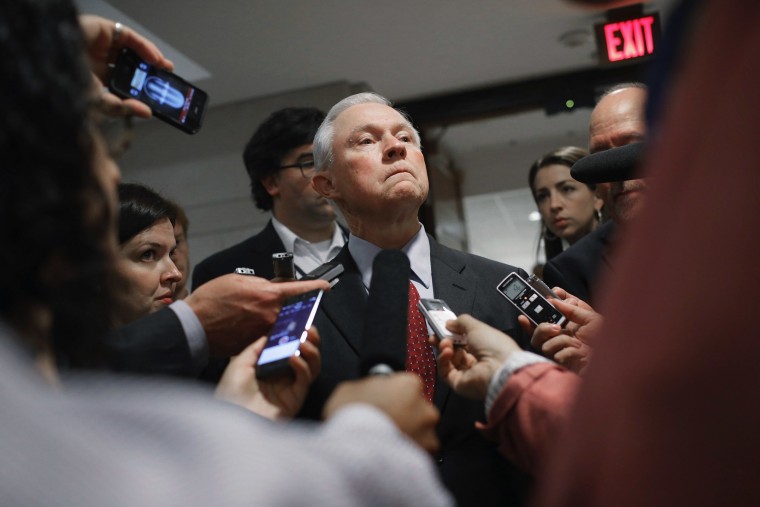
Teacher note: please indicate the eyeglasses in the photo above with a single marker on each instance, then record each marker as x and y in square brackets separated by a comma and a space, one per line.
[306, 166]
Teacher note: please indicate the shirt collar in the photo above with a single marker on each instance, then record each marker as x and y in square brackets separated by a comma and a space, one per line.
[417, 249]
[289, 238]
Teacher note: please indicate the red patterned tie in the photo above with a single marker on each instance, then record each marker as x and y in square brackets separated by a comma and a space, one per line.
[420, 358]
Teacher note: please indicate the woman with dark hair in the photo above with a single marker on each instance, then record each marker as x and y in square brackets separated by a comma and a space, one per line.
[146, 267]
[569, 209]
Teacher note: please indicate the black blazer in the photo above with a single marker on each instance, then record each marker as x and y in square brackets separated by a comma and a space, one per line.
[470, 465]
[255, 252]
[577, 269]
[155, 343]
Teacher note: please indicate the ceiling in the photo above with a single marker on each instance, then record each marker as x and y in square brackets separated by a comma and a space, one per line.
[403, 50]
[406, 50]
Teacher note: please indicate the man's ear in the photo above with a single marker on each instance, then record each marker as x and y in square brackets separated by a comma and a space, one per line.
[322, 183]
[272, 184]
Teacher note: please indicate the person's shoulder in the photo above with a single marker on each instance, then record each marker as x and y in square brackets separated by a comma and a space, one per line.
[246, 253]
[596, 240]
[460, 260]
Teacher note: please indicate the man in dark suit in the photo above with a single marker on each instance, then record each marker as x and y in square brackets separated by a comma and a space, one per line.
[279, 162]
[617, 120]
[370, 164]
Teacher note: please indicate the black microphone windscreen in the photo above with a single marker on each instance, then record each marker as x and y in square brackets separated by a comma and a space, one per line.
[384, 337]
[615, 164]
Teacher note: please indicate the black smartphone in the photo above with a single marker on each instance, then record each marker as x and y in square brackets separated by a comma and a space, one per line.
[329, 271]
[437, 313]
[287, 334]
[171, 98]
[528, 300]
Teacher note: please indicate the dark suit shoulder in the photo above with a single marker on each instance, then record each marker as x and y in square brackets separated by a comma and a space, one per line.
[155, 343]
[576, 268]
[254, 252]
[468, 282]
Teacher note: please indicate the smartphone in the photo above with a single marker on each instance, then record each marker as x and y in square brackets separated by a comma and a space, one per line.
[528, 300]
[171, 98]
[288, 332]
[437, 313]
[329, 271]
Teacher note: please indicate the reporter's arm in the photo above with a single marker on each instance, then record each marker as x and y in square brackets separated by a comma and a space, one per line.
[156, 343]
[527, 397]
[529, 413]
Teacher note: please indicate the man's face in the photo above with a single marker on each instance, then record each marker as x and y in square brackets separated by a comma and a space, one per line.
[293, 193]
[616, 121]
[378, 167]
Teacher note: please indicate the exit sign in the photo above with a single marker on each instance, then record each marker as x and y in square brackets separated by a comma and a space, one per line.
[627, 40]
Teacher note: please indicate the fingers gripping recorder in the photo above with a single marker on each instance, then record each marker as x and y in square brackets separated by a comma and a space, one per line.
[437, 313]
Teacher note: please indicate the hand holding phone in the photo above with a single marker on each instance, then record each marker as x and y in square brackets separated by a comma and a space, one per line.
[170, 98]
[437, 313]
[287, 334]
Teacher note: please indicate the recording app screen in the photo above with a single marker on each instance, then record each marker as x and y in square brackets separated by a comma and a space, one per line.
[285, 337]
[161, 89]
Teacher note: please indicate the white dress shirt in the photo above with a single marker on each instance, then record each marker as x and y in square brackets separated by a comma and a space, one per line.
[307, 255]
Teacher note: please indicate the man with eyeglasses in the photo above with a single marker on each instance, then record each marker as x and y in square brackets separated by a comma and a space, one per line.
[279, 162]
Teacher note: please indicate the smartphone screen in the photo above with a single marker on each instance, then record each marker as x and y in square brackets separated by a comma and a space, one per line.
[529, 301]
[170, 97]
[288, 332]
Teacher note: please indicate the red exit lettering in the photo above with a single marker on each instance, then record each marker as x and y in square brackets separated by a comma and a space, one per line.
[629, 39]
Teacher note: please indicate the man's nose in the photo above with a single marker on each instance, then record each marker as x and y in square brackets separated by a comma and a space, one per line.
[394, 148]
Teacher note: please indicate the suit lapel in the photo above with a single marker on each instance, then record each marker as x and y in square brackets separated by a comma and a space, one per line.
[449, 280]
[346, 302]
[453, 286]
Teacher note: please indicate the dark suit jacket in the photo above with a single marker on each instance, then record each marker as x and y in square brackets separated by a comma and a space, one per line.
[155, 343]
[470, 465]
[255, 252]
[577, 269]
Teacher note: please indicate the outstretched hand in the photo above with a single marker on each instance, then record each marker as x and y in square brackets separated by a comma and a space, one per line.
[469, 369]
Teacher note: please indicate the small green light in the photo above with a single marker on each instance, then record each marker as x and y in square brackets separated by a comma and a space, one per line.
[570, 103]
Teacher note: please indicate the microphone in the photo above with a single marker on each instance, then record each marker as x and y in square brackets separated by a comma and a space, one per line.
[383, 349]
[615, 164]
